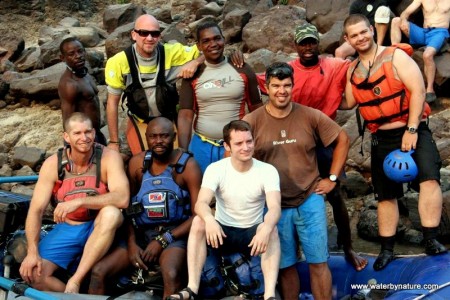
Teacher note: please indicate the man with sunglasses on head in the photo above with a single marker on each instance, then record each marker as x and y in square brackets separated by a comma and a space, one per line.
[319, 82]
[180, 61]
[388, 87]
[218, 93]
[286, 135]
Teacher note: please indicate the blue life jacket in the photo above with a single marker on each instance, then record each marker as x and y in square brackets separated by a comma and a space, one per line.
[163, 200]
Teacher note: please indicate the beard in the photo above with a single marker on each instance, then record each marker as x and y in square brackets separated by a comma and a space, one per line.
[165, 155]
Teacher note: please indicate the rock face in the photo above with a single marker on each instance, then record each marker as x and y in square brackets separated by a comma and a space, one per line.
[30, 69]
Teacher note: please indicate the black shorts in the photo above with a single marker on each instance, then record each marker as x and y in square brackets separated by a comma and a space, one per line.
[426, 156]
[237, 239]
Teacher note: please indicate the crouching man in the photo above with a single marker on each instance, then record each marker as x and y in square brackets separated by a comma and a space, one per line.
[90, 187]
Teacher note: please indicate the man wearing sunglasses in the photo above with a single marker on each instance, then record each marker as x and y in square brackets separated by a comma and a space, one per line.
[180, 61]
[286, 135]
[388, 87]
[218, 93]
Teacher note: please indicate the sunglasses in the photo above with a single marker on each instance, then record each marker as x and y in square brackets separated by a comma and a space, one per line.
[146, 33]
[365, 84]
[281, 72]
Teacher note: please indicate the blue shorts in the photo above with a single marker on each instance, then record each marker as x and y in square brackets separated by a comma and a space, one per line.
[430, 37]
[307, 223]
[65, 243]
[205, 153]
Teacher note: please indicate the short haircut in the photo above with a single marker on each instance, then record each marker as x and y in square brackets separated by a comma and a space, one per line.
[236, 125]
[280, 70]
[206, 25]
[66, 41]
[76, 117]
[355, 19]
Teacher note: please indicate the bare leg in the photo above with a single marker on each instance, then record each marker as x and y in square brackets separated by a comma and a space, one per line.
[344, 50]
[396, 31]
[429, 67]
[430, 203]
[381, 32]
[173, 269]
[270, 262]
[47, 282]
[320, 280]
[342, 221]
[387, 217]
[109, 266]
[290, 283]
[107, 221]
[196, 254]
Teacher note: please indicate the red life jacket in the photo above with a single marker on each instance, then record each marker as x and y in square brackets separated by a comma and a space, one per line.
[71, 186]
[385, 99]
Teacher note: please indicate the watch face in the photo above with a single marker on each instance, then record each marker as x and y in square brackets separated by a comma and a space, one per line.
[333, 177]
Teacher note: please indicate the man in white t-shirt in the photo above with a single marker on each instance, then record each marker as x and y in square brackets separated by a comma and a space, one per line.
[242, 187]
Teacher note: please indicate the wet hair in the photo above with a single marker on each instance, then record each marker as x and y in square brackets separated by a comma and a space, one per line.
[236, 125]
[76, 117]
[66, 41]
[206, 25]
[280, 70]
[355, 19]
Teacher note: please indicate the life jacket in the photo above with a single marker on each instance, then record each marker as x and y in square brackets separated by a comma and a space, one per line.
[72, 186]
[160, 199]
[387, 100]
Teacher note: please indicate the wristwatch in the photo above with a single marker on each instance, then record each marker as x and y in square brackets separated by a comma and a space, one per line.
[411, 129]
[332, 177]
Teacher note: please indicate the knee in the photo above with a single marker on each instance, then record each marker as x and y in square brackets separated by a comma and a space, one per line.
[171, 274]
[429, 186]
[109, 217]
[428, 56]
[318, 269]
[98, 272]
[395, 22]
[198, 226]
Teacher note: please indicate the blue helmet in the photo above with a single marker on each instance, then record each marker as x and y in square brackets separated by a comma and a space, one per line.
[399, 166]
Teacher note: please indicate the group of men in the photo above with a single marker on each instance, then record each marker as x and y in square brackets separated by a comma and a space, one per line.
[285, 157]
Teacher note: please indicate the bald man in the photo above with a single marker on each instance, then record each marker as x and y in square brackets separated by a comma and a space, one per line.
[180, 61]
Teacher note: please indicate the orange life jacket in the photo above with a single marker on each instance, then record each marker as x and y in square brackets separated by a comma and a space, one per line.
[71, 186]
[385, 99]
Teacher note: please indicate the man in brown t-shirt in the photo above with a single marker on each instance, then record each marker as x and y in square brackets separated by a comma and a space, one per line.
[286, 135]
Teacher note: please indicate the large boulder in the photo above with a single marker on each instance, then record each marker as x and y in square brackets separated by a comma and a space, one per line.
[263, 31]
[120, 14]
[324, 13]
[119, 40]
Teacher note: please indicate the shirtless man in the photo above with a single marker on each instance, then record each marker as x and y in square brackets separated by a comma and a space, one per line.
[436, 14]
[77, 89]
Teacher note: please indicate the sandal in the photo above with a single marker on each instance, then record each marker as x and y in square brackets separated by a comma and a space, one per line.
[271, 298]
[191, 295]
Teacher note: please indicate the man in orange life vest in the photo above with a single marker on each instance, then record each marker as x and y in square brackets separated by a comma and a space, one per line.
[389, 89]
[87, 211]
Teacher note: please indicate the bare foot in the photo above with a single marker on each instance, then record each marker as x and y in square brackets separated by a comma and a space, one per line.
[72, 287]
[357, 261]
